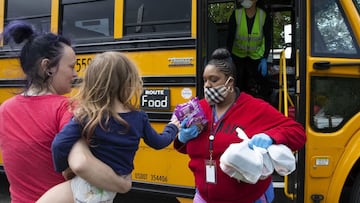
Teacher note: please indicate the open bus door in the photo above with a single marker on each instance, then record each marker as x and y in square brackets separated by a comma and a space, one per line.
[331, 66]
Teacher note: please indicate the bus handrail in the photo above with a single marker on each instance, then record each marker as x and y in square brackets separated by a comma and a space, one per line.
[286, 99]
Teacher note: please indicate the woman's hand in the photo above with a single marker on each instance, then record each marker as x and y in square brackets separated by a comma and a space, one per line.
[68, 174]
[260, 140]
[187, 133]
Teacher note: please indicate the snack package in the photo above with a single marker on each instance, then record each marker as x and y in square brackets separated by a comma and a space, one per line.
[193, 112]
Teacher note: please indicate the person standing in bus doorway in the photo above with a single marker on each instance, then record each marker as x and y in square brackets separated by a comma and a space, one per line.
[30, 120]
[226, 109]
[249, 41]
[106, 116]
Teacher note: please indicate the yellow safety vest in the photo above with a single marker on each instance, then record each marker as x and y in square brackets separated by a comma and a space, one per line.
[253, 44]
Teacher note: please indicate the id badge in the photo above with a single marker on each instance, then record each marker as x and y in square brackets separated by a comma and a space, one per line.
[210, 168]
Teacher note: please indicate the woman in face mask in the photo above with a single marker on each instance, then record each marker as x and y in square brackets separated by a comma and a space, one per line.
[226, 109]
[249, 41]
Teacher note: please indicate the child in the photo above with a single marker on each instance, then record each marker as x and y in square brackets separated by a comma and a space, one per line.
[106, 116]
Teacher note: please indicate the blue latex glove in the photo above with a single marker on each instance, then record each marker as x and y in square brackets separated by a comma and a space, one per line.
[262, 68]
[260, 140]
[187, 133]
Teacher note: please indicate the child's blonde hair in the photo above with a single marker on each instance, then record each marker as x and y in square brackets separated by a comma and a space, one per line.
[109, 77]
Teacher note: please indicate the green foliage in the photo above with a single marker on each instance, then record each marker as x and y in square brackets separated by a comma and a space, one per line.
[280, 19]
[220, 12]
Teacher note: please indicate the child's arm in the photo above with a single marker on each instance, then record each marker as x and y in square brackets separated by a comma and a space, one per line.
[62, 144]
[162, 140]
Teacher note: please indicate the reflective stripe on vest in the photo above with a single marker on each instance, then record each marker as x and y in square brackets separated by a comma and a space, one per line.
[253, 44]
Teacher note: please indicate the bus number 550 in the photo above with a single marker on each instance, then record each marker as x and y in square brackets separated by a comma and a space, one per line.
[81, 63]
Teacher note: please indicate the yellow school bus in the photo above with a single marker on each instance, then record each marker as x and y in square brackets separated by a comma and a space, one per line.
[314, 65]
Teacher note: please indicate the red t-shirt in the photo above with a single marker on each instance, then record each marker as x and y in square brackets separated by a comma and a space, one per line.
[27, 128]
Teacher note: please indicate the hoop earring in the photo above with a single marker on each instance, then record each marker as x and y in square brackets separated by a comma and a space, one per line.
[231, 89]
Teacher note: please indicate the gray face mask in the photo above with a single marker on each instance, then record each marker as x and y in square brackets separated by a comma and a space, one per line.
[246, 3]
[215, 95]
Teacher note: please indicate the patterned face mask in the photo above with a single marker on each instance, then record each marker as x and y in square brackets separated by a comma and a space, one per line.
[215, 95]
[247, 3]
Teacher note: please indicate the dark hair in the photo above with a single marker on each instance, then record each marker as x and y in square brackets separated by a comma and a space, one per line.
[37, 46]
[221, 58]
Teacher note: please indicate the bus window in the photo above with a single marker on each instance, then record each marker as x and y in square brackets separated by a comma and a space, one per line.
[157, 18]
[88, 20]
[331, 34]
[36, 12]
[217, 25]
[328, 94]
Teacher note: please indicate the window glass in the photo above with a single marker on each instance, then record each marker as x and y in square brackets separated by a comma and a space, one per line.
[334, 101]
[217, 23]
[88, 20]
[36, 12]
[331, 34]
[155, 17]
[220, 12]
[357, 5]
[281, 29]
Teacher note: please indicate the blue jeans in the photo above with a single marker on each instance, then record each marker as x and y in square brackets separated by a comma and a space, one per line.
[268, 196]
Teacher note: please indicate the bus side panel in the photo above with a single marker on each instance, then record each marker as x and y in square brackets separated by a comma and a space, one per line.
[349, 158]
[171, 166]
[10, 79]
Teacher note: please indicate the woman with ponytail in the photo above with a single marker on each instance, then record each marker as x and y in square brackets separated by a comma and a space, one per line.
[30, 120]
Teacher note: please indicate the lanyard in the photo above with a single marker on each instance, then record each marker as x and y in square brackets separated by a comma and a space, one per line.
[215, 121]
[212, 131]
